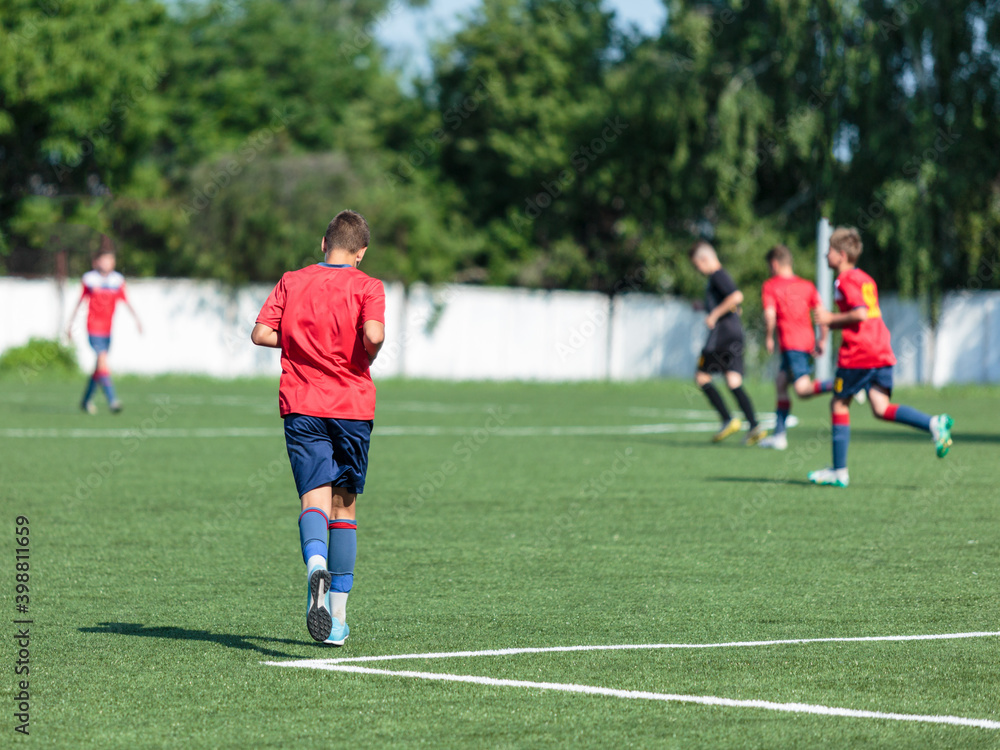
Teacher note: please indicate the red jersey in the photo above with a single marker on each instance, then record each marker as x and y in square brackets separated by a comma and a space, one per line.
[319, 313]
[102, 293]
[792, 299]
[864, 345]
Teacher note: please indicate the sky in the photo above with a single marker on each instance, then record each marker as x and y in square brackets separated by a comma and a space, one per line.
[408, 32]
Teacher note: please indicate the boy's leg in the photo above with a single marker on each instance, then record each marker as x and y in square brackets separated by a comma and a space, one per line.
[309, 453]
[734, 379]
[313, 535]
[798, 365]
[782, 408]
[783, 405]
[704, 381]
[87, 404]
[840, 432]
[806, 387]
[840, 417]
[342, 554]
[350, 440]
[102, 374]
[939, 426]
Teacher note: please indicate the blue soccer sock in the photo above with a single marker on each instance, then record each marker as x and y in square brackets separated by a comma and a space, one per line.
[343, 551]
[312, 533]
[104, 380]
[841, 439]
[340, 562]
[781, 412]
[907, 415]
[91, 387]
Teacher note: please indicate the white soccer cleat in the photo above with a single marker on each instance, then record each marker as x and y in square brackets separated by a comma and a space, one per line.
[778, 442]
[830, 477]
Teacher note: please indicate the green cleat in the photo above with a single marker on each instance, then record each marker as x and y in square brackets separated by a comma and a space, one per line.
[941, 432]
[830, 477]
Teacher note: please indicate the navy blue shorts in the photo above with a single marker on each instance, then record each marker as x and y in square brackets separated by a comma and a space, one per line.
[796, 364]
[850, 380]
[100, 344]
[325, 450]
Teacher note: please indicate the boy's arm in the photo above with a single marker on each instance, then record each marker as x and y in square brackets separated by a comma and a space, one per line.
[824, 329]
[263, 335]
[771, 321]
[72, 317]
[841, 320]
[373, 338]
[728, 304]
[135, 315]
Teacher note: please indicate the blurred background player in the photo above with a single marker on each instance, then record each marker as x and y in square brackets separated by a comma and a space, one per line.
[789, 302]
[723, 351]
[103, 288]
[866, 359]
[328, 319]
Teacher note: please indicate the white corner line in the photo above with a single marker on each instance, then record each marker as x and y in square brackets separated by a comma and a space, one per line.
[705, 700]
[632, 647]
[346, 665]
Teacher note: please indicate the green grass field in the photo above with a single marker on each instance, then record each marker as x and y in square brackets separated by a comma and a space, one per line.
[165, 570]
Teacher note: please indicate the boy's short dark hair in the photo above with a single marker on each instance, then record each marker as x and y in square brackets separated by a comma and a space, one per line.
[693, 251]
[348, 231]
[107, 247]
[848, 241]
[781, 254]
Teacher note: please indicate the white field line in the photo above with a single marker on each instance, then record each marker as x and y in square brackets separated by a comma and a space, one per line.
[706, 700]
[637, 647]
[343, 665]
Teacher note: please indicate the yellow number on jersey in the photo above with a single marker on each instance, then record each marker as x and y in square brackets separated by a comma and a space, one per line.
[871, 300]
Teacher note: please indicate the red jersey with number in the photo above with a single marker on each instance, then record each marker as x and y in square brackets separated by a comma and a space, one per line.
[102, 294]
[793, 299]
[319, 313]
[864, 345]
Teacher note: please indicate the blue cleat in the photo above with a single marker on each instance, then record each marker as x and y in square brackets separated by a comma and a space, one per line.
[318, 618]
[338, 634]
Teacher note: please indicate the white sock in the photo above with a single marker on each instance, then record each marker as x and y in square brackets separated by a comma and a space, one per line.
[316, 561]
[338, 606]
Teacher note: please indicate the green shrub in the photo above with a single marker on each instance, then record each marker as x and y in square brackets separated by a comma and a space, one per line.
[39, 357]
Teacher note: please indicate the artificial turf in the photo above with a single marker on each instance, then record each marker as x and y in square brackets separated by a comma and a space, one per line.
[165, 570]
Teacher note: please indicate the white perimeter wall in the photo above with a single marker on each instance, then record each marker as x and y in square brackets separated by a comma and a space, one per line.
[456, 332]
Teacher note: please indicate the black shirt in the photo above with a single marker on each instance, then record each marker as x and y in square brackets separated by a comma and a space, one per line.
[721, 285]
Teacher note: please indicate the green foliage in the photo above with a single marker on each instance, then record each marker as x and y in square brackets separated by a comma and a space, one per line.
[38, 358]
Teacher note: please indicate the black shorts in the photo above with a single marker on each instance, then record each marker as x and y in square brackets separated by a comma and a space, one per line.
[724, 356]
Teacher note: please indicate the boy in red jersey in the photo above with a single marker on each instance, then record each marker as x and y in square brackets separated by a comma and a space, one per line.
[328, 319]
[789, 302]
[865, 360]
[103, 288]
